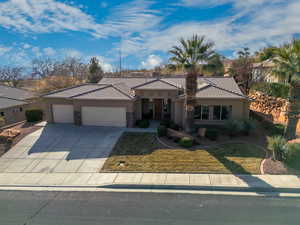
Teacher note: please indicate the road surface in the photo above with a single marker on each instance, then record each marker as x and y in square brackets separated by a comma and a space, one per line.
[92, 208]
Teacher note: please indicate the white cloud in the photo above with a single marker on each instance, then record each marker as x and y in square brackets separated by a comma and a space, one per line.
[45, 16]
[254, 27]
[49, 51]
[26, 46]
[36, 51]
[151, 62]
[72, 53]
[4, 49]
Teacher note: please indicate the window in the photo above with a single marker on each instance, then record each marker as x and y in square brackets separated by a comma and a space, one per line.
[2, 114]
[221, 112]
[21, 109]
[202, 112]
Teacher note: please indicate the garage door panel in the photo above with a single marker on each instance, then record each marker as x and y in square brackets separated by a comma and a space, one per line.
[104, 116]
[63, 113]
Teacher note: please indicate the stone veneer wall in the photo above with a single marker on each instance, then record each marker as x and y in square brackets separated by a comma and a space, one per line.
[274, 109]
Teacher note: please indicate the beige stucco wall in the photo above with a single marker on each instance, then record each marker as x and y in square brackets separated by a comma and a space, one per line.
[240, 109]
[13, 114]
[172, 94]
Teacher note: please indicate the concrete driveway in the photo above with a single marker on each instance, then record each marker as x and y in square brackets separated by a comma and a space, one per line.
[61, 149]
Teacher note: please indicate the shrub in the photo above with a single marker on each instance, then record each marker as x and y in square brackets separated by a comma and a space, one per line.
[186, 142]
[34, 115]
[293, 155]
[248, 126]
[277, 90]
[277, 145]
[143, 123]
[233, 127]
[212, 134]
[162, 131]
[174, 126]
[2, 121]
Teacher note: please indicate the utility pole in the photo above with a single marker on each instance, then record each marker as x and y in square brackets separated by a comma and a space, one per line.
[120, 55]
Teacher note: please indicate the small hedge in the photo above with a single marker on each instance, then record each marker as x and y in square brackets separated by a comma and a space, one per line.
[212, 134]
[186, 142]
[169, 124]
[293, 155]
[34, 115]
[143, 123]
[162, 131]
[277, 90]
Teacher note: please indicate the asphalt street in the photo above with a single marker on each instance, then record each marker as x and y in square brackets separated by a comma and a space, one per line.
[93, 208]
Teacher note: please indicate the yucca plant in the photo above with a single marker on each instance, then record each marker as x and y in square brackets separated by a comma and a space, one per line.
[277, 144]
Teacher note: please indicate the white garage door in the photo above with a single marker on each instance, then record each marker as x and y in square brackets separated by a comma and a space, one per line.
[63, 113]
[104, 116]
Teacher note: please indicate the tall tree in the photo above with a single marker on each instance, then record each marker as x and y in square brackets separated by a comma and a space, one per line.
[95, 71]
[42, 67]
[242, 70]
[11, 75]
[215, 65]
[190, 54]
[287, 68]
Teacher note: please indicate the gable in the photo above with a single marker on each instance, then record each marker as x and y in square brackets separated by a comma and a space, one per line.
[156, 85]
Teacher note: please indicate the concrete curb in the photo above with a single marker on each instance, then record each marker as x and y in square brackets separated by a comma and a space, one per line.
[162, 187]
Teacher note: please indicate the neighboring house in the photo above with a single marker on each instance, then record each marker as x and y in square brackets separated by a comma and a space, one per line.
[13, 103]
[123, 100]
[262, 71]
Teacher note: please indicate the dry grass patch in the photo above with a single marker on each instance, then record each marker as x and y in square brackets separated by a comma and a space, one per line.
[142, 152]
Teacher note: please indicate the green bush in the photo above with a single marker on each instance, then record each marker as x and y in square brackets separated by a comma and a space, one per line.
[162, 131]
[34, 115]
[143, 123]
[293, 155]
[277, 145]
[277, 90]
[233, 127]
[186, 142]
[248, 126]
[212, 134]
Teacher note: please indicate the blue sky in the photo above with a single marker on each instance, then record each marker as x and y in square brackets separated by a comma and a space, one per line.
[145, 30]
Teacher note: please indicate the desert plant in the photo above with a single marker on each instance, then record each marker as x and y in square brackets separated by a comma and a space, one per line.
[162, 131]
[191, 54]
[277, 145]
[293, 155]
[233, 127]
[248, 126]
[34, 115]
[186, 142]
[212, 134]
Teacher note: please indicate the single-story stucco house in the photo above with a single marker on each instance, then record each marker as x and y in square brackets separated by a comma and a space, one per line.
[120, 101]
[13, 104]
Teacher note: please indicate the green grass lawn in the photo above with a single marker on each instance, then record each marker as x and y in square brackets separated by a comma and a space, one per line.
[142, 152]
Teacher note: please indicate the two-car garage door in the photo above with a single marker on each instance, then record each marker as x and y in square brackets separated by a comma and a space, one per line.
[91, 116]
[103, 116]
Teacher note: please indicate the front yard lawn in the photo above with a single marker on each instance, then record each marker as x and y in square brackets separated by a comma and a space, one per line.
[141, 152]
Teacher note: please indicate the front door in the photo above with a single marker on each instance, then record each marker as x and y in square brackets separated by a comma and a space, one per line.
[158, 108]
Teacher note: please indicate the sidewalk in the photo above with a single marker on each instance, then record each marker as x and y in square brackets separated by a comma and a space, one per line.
[284, 183]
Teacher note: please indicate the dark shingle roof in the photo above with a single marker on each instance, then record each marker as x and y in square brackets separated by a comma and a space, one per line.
[9, 102]
[15, 93]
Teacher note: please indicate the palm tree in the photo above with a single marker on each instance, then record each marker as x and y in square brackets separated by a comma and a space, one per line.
[190, 54]
[287, 67]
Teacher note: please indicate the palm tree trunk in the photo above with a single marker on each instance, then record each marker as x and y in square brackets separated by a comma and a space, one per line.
[293, 111]
[190, 101]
